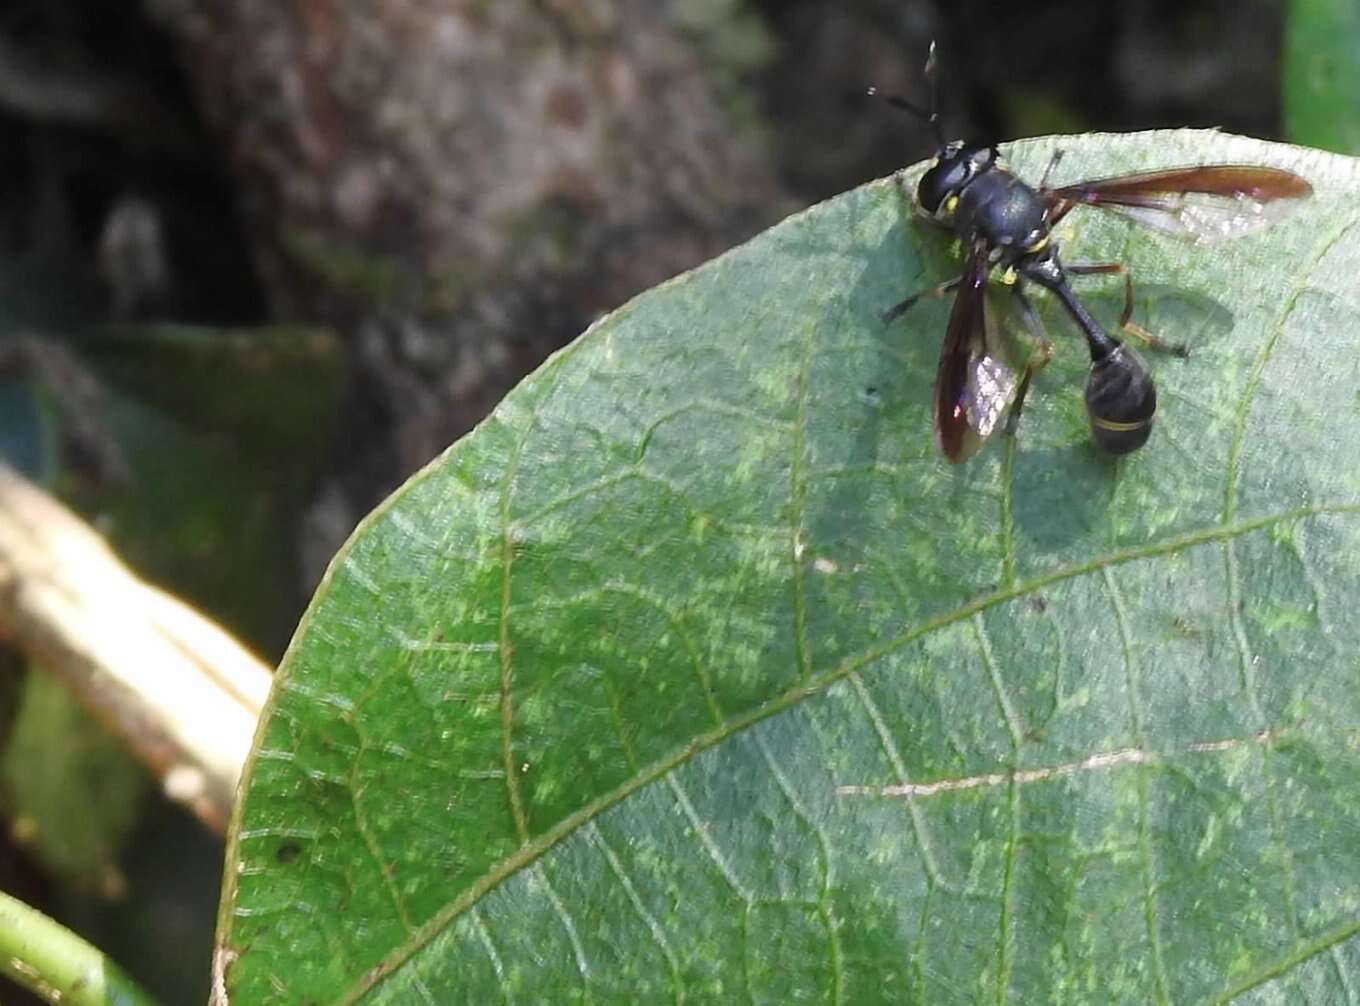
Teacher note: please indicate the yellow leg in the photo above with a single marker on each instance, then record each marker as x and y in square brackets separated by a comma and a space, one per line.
[1126, 321]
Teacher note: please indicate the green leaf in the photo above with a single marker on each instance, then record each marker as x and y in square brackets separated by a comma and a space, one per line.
[61, 767]
[272, 387]
[599, 707]
[1321, 74]
[223, 430]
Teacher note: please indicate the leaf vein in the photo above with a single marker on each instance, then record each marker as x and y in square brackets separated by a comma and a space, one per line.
[918, 824]
[797, 506]
[1263, 357]
[1287, 963]
[677, 624]
[1003, 929]
[706, 842]
[596, 838]
[1247, 673]
[385, 869]
[1339, 969]
[516, 798]
[484, 938]
[835, 953]
[1146, 861]
[1014, 725]
[568, 923]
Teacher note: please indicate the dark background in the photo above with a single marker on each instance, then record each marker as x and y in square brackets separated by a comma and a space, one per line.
[756, 108]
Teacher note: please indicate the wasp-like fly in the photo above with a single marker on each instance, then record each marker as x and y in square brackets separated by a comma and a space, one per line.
[1005, 224]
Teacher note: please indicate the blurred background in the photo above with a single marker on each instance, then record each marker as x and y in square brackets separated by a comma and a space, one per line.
[260, 262]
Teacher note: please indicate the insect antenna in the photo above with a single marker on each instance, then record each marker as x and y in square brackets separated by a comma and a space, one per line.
[930, 116]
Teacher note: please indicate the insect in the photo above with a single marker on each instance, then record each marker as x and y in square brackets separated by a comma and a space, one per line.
[1006, 224]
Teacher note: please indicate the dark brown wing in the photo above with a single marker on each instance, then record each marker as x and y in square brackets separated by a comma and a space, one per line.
[1239, 181]
[1202, 204]
[973, 386]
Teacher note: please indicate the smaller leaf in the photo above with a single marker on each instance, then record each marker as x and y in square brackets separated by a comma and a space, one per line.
[1321, 78]
[222, 429]
[72, 793]
[276, 384]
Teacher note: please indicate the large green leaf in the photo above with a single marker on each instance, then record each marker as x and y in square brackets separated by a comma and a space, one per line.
[600, 706]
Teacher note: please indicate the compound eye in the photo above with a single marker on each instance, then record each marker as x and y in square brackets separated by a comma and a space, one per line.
[939, 183]
[932, 191]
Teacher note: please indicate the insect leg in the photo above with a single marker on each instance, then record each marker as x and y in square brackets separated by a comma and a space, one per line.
[1058, 207]
[1126, 316]
[1052, 163]
[1094, 268]
[1040, 355]
[1139, 332]
[897, 310]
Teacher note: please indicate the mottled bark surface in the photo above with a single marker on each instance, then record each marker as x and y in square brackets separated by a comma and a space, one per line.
[461, 186]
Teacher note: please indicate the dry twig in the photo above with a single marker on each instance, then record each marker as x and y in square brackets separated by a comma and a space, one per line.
[181, 692]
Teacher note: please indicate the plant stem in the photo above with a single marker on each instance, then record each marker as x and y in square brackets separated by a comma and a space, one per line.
[51, 961]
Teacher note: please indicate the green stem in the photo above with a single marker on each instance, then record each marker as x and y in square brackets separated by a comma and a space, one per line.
[51, 961]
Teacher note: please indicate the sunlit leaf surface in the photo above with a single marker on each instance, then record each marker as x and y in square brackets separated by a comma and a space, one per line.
[694, 675]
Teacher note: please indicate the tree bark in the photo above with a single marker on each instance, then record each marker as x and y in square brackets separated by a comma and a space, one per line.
[461, 186]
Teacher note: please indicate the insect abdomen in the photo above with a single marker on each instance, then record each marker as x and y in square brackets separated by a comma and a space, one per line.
[1120, 401]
